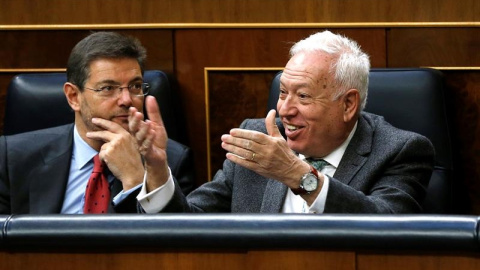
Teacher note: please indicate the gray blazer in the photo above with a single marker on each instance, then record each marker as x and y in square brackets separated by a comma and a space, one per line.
[34, 168]
[383, 170]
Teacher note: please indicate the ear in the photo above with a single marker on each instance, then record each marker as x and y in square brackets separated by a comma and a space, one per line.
[72, 93]
[351, 103]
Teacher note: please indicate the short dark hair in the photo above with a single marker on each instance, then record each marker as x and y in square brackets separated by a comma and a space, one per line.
[102, 45]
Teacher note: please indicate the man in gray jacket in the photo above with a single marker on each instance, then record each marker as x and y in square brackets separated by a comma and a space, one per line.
[323, 154]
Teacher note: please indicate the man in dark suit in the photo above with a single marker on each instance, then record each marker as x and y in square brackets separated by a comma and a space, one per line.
[47, 171]
[323, 155]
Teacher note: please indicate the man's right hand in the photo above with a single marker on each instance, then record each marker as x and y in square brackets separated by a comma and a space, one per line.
[151, 138]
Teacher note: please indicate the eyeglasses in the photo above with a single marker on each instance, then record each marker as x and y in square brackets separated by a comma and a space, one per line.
[136, 89]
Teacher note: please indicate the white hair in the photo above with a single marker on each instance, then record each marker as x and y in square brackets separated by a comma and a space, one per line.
[350, 67]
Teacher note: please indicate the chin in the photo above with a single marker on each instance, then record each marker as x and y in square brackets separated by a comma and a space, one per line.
[295, 146]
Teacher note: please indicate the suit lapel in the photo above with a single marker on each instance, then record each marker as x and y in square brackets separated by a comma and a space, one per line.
[356, 153]
[49, 179]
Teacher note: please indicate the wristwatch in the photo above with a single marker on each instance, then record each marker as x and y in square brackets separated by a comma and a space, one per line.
[308, 182]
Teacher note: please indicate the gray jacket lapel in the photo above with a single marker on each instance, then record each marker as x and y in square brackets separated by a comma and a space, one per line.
[49, 180]
[356, 153]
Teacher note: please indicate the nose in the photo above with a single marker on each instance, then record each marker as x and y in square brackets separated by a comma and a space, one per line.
[286, 106]
[124, 99]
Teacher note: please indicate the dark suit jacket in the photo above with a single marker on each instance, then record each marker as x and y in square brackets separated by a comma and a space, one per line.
[383, 170]
[34, 168]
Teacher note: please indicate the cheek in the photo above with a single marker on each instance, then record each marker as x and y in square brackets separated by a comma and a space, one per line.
[138, 104]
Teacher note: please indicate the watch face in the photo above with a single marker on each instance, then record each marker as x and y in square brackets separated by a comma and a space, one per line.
[310, 182]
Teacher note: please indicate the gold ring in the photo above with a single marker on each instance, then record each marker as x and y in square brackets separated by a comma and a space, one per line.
[253, 157]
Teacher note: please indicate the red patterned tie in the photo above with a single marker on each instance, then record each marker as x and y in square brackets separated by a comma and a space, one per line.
[97, 194]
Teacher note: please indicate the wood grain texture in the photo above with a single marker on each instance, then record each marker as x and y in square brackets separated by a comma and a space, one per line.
[434, 47]
[50, 49]
[246, 97]
[234, 11]
[464, 92]
[421, 261]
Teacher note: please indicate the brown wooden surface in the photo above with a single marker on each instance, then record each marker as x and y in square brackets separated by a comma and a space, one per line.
[433, 47]
[420, 261]
[248, 48]
[246, 97]
[50, 49]
[464, 91]
[180, 260]
[266, 259]
[234, 11]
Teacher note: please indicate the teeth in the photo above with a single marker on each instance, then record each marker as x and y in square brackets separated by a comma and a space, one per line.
[292, 128]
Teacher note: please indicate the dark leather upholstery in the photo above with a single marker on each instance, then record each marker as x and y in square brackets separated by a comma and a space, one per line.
[226, 231]
[36, 101]
[414, 100]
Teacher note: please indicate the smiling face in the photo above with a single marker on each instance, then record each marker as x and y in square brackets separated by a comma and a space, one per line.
[88, 104]
[315, 125]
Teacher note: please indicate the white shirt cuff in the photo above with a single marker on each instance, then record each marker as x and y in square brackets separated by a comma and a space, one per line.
[123, 194]
[154, 201]
[318, 206]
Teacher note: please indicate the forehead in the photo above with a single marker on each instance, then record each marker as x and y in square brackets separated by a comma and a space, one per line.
[114, 69]
[307, 69]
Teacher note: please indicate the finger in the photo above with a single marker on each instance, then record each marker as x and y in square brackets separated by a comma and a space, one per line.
[239, 142]
[147, 143]
[270, 123]
[239, 151]
[238, 136]
[107, 125]
[102, 135]
[153, 111]
[142, 131]
[134, 120]
[242, 161]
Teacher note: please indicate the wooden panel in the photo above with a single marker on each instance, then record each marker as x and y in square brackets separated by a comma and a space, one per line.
[4, 81]
[234, 11]
[247, 98]
[420, 261]
[464, 93]
[200, 48]
[120, 261]
[338, 260]
[181, 260]
[434, 47]
[50, 49]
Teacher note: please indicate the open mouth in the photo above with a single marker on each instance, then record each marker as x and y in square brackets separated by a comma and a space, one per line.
[293, 131]
[291, 128]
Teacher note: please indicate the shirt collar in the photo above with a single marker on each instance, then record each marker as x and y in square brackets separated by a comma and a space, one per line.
[335, 157]
[82, 152]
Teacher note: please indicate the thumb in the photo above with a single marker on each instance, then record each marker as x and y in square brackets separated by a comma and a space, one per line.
[271, 125]
[153, 111]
